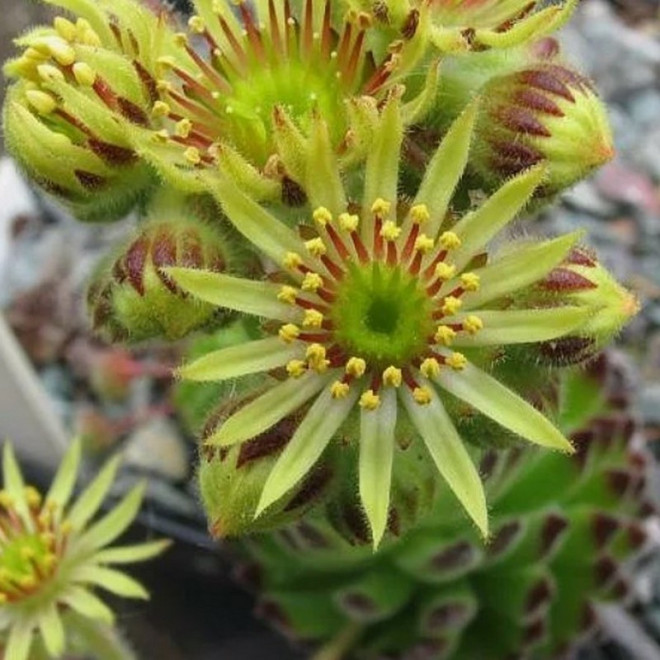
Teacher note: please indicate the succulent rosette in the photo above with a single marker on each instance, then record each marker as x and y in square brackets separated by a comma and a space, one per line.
[53, 557]
[385, 311]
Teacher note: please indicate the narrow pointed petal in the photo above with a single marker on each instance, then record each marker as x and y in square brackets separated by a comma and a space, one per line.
[496, 401]
[241, 295]
[522, 326]
[522, 267]
[108, 528]
[14, 484]
[264, 231]
[415, 110]
[262, 413]
[478, 227]
[19, 641]
[65, 479]
[113, 581]
[88, 605]
[52, 631]
[324, 186]
[130, 554]
[382, 168]
[91, 498]
[450, 455]
[306, 446]
[249, 358]
[376, 456]
[446, 168]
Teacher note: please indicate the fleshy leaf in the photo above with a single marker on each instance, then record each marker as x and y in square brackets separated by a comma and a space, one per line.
[262, 413]
[241, 295]
[496, 401]
[450, 455]
[376, 457]
[248, 358]
[306, 446]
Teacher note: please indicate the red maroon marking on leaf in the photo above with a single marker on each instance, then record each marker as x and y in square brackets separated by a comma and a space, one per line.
[312, 487]
[111, 153]
[619, 481]
[533, 632]
[504, 537]
[410, 25]
[163, 254]
[535, 100]
[191, 252]
[355, 522]
[119, 272]
[521, 120]
[581, 256]
[394, 522]
[132, 112]
[552, 531]
[147, 80]
[312, 537]
[546, 48]
[459, 555]
[447, 616]
[605, 570]
[135, 262]
[603, 527]
[538, 596]
[89, 180]
[588, 620]
[564, 280]
[547, 80]
[266, 444]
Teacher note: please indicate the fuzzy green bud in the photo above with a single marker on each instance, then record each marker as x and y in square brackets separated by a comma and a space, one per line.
[231, 479]
[67, 115]
[545, 113]
[132, 299]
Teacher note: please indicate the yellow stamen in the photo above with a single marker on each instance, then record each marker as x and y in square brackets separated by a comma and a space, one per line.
[339, 390]
[424, 244]
[196, 24]
[450, 241]
[162, 135]
[369, 400]
[3, 598]
[296, 368]
[33, 497]
[28, 582]
[183, 128]
[289, 333]
[322, 216]
[313, 319]
[444, 271]
[470, 281]
[66, 528]
[42, 102]
[419, 214]
[430, 368]
[164, 86]
[181, 39]
[6, 500]
[390, 232]
[60, 50]
[316, 358]
[356, 367]
[50, 73]
[292, 260]
[84, 74]
[472, 325]
[444, 335]
[381, 207]
[348, 222]
[392, 377]
[422, 395]
[312, 282]
[161, 109]
[457, 361]
[66, 29]
[192, 155]
[451, 305]
[288, 294]
[166, 61]
[316, 247]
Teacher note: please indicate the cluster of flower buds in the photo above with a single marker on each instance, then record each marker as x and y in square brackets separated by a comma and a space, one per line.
[131, 298]
[79, 84]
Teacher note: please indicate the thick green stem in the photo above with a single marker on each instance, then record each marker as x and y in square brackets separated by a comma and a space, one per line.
[338, 648]
[101, 641]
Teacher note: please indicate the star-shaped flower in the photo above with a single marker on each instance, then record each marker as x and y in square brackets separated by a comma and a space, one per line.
[383, 313]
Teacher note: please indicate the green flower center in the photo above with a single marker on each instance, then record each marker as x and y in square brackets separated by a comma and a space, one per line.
[382, 314]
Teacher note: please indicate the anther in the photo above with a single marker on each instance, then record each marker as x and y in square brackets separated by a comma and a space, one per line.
[311, 282]
[444, 335]
[392, 377]
[316, 247]
[430, 367]
[192, 155]
[322, 216]
[292, 261]
[288, 294]
[390, 231]
[42, 102]
[419, 214]
[296, 368]
[356, 367]
[457, 361]
[470, 281]
[316, 358]
[348, 222]
[369, 400]
[339, 390]
[289, 332]
[183, 128]
[50, 73]
[65, 28]
[424, 244]
[381, 207]
[450, 241]
[84, 74]
[313, 319]
[422, 395]
[451, 305]
[196, 24]
[445, 271]
[472, 325]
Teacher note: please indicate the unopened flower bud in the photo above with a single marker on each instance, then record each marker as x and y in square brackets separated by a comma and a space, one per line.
[133, 299]
[544, 113]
